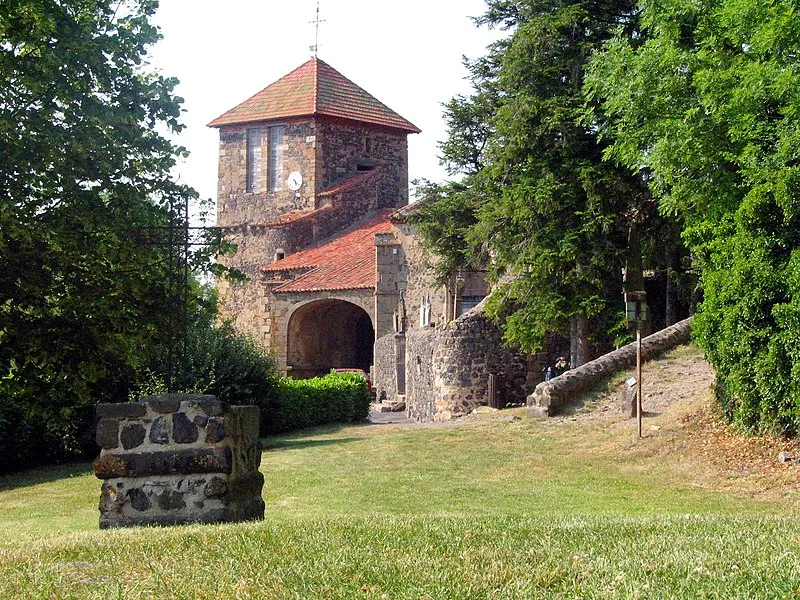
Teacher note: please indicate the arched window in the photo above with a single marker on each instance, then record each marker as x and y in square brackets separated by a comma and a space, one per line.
[425, 311]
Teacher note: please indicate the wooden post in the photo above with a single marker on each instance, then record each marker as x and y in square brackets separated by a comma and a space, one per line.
[639, 376]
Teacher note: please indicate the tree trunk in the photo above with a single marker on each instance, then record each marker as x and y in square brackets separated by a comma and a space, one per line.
[671, 301]
[578, 341]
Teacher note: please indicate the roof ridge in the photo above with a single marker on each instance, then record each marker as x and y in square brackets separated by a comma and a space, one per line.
[315, 104]
[314, 89]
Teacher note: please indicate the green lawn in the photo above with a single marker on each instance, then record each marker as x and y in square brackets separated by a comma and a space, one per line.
[487, 509]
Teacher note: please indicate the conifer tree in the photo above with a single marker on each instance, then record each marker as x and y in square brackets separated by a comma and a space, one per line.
[538, 203]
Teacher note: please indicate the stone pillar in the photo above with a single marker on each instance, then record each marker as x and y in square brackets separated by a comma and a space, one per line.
[178, 458]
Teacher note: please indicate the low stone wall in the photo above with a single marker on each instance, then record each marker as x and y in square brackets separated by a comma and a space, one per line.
[176, 459]
[549, 396]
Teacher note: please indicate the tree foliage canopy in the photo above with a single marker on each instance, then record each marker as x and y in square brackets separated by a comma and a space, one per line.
[537, 201]
[705, 104]
[83, 168]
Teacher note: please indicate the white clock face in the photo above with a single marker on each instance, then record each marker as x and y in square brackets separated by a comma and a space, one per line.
[295, 181]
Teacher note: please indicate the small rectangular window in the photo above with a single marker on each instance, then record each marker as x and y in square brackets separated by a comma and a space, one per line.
[275, 159]
[253, 160]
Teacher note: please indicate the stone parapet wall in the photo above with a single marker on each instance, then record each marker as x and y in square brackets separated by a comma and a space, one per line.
[176, 459]
[549, 396]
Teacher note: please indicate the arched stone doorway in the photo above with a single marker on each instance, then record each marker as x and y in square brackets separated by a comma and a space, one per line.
[329, 334]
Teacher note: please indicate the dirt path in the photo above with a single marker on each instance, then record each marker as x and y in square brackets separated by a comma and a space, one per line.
[680, 374]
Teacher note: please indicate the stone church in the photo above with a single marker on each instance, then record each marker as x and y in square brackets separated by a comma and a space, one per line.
[313, 190]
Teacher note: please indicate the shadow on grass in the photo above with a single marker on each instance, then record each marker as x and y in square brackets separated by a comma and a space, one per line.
[46, 474]
[269, 445]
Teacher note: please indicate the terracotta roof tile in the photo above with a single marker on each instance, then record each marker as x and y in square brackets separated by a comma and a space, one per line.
[314, 88]
[345, 262]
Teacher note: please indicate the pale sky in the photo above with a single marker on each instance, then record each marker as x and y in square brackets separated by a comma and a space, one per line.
[406, 54]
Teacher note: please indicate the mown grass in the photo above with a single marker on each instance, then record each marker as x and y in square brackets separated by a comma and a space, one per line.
[487, 509]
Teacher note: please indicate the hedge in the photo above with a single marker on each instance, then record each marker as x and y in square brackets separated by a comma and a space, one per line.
[302, 403]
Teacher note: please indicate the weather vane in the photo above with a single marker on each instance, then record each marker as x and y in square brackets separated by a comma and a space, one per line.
[316, 23]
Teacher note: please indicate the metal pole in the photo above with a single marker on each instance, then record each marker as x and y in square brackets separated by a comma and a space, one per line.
[171, 297]
[639, 376]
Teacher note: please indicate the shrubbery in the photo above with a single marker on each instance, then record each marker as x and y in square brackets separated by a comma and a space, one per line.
[222, 362]
[301, 403]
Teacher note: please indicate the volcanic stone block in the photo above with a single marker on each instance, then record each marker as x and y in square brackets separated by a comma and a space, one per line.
[167, 462]
[139, 500]
[123, 410]
[215, 430]
[183, 430]
[170, 500]
[159, 431]
[107, 434]
[158, 469]
[132, 436]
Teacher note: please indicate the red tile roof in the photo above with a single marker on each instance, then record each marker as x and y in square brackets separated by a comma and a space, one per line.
[314, 88]
[346, 262]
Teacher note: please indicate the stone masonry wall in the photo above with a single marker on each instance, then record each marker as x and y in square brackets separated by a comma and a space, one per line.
[404, 279]
[242, 215]
[344, 145]
[237, 207]
[550, 396]
[324, 150]
[467, 352]
[447, 368]
[384, 373]
[420, 391]
[417, 275]
[175, 459]
[281, 307]
[389, 281]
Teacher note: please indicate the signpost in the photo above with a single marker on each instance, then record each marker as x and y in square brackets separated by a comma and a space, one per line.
[636, 313]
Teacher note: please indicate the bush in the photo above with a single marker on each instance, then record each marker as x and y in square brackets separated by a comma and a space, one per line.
[302, 403]
[230, 365]
[19, 439]
[749, 324]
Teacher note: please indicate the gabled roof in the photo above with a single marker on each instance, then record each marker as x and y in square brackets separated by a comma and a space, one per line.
[345, 262]
[314, 88]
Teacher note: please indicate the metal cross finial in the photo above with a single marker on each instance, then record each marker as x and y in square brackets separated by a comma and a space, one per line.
[316, 23]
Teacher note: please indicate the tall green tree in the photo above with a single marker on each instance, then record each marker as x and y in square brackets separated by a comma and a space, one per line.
[548, 213]
[706, 105]
[83, 172]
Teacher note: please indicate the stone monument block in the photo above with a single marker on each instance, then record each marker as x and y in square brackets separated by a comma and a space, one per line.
[178, 458]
